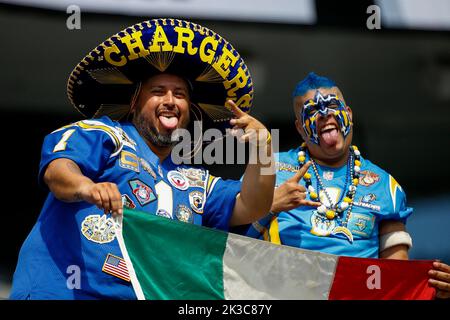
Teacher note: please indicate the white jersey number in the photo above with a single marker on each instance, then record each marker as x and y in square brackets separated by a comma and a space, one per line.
[61, 145]
[165, 197]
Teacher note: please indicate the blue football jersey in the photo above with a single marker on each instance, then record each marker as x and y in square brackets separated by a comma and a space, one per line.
[378, 197]
[77, 239]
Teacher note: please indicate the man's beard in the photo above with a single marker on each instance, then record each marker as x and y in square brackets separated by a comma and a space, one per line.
[148, 132]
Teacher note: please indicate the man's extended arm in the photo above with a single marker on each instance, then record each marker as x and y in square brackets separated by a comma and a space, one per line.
[255, 199]
[439, 275]
[66, 181]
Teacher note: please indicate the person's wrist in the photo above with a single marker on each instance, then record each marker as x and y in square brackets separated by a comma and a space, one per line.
[83, 189]
[274, 210]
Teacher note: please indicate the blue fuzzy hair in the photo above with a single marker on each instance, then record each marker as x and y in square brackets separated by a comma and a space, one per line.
[311, 82]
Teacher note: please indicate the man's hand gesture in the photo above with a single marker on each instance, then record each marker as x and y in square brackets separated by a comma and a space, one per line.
[291, 195]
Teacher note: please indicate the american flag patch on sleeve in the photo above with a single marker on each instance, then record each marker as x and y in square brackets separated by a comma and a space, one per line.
[116, 266]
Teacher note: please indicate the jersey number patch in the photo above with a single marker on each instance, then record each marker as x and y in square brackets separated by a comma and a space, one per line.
[165, 199]
[61, 145]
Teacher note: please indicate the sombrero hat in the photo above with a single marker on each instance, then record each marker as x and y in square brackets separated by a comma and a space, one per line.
[106, 80]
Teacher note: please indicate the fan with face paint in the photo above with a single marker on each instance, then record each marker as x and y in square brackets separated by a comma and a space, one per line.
[324, 105]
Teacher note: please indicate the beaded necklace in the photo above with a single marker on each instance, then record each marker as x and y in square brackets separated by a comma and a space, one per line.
[338, 209]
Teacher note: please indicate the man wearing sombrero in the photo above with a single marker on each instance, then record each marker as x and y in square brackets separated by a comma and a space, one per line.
[137, 88]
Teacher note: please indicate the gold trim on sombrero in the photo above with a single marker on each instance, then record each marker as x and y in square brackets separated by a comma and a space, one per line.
[135, 96]
[160, 60]
[209, 75]
[109, 76]
[215, 112]
[114, 111]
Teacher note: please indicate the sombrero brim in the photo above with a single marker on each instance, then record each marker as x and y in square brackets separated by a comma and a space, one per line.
[105, 81]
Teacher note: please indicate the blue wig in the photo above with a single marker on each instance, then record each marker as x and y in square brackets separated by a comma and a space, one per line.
[311, 82]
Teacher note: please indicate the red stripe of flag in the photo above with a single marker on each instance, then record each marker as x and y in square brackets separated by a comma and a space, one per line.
[381, 279]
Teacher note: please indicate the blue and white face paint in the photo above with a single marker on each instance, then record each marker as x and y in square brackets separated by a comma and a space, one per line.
[322, 106]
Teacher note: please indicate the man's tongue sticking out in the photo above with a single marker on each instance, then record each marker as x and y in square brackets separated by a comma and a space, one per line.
[168, 122]
[330, 137]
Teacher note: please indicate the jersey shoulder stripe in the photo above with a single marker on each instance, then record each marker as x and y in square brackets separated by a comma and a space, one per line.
[116, 134]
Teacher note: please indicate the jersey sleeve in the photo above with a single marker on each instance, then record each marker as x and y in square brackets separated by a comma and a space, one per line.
[398, 209]
[258, 229]
[89, 143]
[220, 200]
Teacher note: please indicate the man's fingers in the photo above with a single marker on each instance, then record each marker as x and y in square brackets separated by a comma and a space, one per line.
[106, 205]
[301, 172]
[310, 203]
[300, 199]
[299, 196]
[442, 286]
[441, 266]
[299, 187]
[235, 109]
[304, 169]
[439, 275]
[106, 196]
[96, 199]
[113, 199]
[442, 294]
[116, 200]
[240, 123]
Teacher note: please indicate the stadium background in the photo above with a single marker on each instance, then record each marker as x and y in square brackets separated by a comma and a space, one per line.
[396, 79]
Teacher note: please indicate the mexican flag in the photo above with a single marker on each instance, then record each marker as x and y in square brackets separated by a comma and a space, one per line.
[168, 259]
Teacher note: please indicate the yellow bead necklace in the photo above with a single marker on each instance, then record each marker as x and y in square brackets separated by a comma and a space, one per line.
[332, 211]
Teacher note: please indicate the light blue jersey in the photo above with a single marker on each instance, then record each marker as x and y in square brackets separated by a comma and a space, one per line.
[71, 239]
[378, 197]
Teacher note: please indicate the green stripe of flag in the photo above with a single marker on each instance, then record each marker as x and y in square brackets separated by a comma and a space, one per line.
[174, 260]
